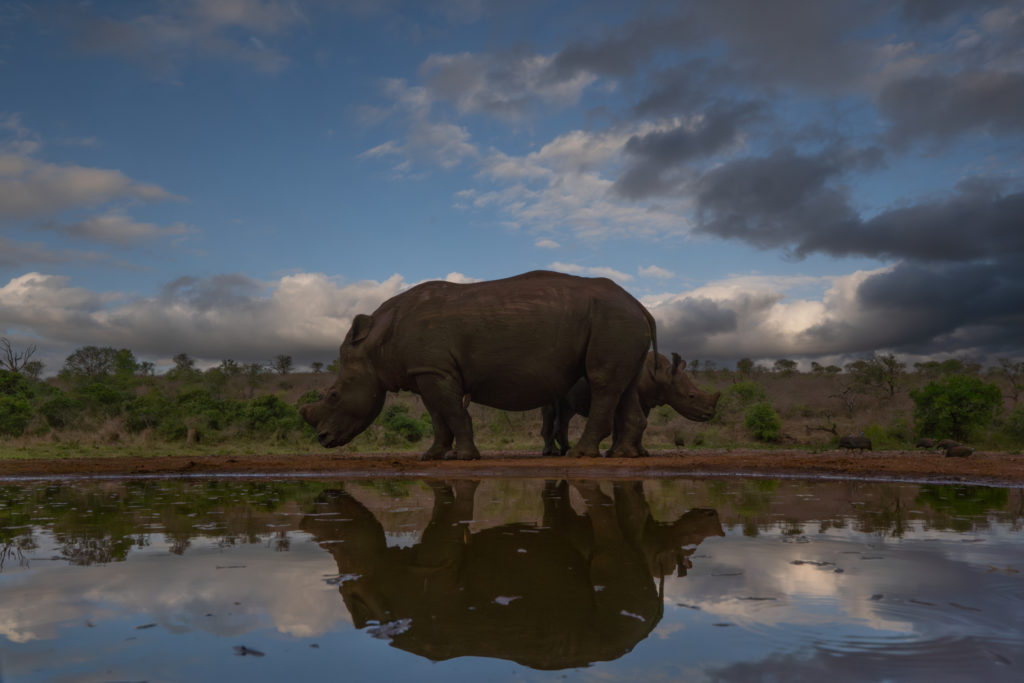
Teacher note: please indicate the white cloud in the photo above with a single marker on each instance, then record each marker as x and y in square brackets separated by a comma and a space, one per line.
[547, 244]
[753, 316]
[440, 144]
[591, 271]
[305, 315]
[459, 278]
[656, 272]
[565, 186]
[503, 86]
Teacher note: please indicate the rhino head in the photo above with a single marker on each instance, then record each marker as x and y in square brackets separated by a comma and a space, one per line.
[667, 383]
[355, 399]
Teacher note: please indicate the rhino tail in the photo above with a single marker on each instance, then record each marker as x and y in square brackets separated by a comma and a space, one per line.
[654, 329]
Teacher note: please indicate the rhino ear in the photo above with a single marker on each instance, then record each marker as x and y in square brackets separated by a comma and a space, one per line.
[361, 325]
[677, 363]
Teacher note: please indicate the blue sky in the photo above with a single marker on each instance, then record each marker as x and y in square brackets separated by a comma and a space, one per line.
[238, 178]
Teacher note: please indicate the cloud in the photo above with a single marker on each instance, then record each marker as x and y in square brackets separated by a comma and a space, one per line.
[118, 229]
[591, 271]
[505, 86]
[656, 272]
[547, 244]
[22, 254]
[656, 159]
[435, 143]
[941, 107]
[174, 34]
[972, 312]
[225, 316]
[29, 187]
[811, 48]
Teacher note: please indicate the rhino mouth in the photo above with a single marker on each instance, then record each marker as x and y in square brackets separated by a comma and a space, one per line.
[327, 440]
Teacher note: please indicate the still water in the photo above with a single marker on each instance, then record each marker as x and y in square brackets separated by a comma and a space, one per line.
[510, 579]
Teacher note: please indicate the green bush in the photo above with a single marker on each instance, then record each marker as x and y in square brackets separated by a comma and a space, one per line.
[61, 411]
[399, 426]
[763, 422]
[15, 414]
[101, 398]
[956, 407]
[736, 398]
[14, 384]
[148, 412]
[1013, 427]
[271, 415]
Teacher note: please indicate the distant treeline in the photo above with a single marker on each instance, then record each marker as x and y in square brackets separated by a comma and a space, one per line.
[108, 395]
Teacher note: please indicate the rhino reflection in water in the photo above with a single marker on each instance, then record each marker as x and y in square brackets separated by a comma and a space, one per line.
[576, 590]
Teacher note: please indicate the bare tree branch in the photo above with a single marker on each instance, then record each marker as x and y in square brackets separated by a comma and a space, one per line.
[11, 359]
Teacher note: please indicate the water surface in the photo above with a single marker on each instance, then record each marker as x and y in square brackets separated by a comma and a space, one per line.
[510, 579]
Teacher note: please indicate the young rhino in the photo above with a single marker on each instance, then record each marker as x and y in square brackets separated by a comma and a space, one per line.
[660, 382]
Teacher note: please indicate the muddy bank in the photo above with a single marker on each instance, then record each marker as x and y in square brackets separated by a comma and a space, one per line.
[981, 467]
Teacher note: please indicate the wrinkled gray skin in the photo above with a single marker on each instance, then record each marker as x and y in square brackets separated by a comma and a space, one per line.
[515, 344]
[660, 383]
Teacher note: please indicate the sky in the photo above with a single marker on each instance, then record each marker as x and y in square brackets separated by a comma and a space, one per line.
[817, 180]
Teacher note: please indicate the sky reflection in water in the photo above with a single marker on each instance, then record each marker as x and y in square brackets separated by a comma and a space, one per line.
[722, 579]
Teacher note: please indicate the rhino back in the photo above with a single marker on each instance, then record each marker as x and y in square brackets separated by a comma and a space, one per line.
[516, 343]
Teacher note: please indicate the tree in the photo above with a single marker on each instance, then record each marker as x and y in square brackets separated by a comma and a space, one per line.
[182, 363]
[744, 366]
[1014, 374]
[252, 373]
[90, 362]
[230, 367]
[13, 360]
[33, 369]
[888, 371]
[785, 366]
[317, 366]
[884, 372]
[282, 364]
[956, 407]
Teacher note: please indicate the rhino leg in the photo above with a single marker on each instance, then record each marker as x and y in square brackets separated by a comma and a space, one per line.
[442, 397]
[555, 428]
[630, 422]
[549, 414]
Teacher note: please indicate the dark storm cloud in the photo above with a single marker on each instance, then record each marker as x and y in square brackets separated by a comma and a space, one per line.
[931, 11]
[796, 202]
[772, 201]
[783, 42]
[218, 292]
[625, 50]
[688, 324]
[654, 156]
[942, 106]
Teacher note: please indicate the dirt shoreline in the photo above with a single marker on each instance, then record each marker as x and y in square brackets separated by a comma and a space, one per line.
[990, 468]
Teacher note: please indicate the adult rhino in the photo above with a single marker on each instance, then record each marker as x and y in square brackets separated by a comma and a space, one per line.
[659, 383]
[515, 344]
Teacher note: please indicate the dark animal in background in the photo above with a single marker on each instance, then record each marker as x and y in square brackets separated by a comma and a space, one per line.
[852, 442]
[660, 383]
[958, 451]
[926, 443]
[514, 344]
[946, 443]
